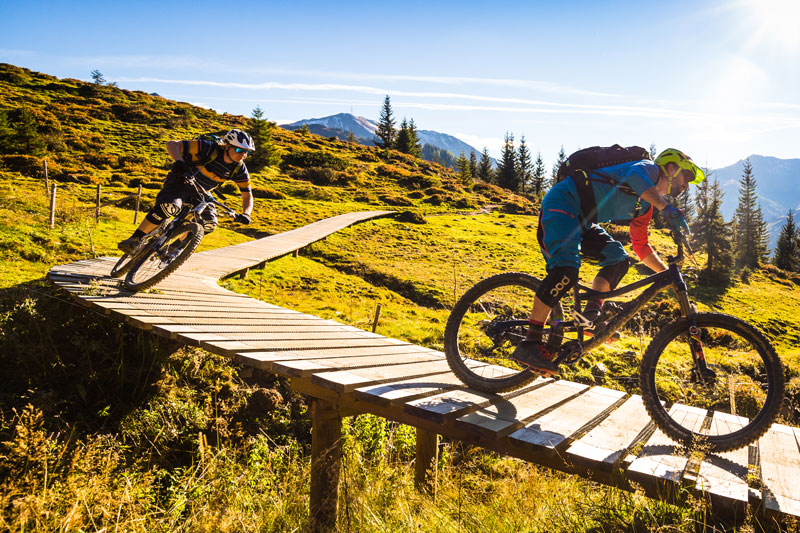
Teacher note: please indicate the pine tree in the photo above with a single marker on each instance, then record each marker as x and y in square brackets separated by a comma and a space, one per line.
[538, 180]
[26, 138]
[473, 164]
[462, 166]
[710, 232]
[407, 140]
[351, 137]
[386, 132]
[562, 157]
[524, 164]
[750, 226]
[266, 153]
[485, 171]
[653, 151]
[787, 249]
[97, 77]
[507, 166]
[6, 131]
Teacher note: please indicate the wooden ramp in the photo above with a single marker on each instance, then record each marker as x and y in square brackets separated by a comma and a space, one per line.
[598, 433]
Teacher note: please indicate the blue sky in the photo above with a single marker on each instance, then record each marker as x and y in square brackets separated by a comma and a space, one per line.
[719, 79]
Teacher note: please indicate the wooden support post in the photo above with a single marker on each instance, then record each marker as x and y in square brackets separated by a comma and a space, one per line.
[377, 317]
[326, 453]
[97, 211]
[138, 200]
[53, 206]
[426, 461]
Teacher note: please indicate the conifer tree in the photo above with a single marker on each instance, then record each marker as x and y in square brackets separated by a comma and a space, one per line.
[351, 137]
[26, 138]
[538, 179]
[266, 153]
[6, 131]
[710, 232]
[562, 157]
[507, 166]
[653, 152]
[407, 140]
[787, 249]
[750, 227]
[462, 166]
[386, 132]
[524, 164]
[97, 77]
[485, 171]
[473, 164]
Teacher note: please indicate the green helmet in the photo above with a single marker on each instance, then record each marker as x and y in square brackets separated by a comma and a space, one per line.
[684, 162]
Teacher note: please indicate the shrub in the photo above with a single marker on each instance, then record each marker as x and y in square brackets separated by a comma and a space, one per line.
[411, 217]
[324, 176]
[270, 194]
[24, 164]
[308, 159]
[392, 199]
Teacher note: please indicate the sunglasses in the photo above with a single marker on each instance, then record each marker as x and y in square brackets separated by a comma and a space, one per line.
[241, 151]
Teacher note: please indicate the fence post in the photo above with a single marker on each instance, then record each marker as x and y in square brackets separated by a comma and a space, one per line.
[138, 199]
[97, 211]
[377, 317]
[53, 206]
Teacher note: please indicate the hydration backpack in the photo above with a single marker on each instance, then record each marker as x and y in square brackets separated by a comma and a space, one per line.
[584, 167]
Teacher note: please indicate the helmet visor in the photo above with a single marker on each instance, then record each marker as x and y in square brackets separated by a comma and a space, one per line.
[699, 175]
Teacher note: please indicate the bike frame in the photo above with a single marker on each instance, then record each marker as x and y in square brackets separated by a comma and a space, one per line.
[164, 231]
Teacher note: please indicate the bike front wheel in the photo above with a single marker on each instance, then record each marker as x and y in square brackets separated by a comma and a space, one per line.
[486, 325]
[724, 406]
[157, 263]
[122, 266]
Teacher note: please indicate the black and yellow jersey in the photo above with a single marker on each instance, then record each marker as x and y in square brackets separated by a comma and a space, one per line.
[208, 158]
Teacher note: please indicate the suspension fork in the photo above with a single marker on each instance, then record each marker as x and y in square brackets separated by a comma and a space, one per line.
[693, 332]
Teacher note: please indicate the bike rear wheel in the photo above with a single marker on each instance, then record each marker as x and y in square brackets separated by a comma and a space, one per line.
[486, 325]
[158, 263]
[729, 405]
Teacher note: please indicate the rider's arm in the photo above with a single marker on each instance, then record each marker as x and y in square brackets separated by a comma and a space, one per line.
[639, 229]
[174, 150]
[247, 202]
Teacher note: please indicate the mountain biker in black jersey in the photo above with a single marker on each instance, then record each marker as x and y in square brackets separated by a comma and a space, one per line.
[564, 235]
[211, 163]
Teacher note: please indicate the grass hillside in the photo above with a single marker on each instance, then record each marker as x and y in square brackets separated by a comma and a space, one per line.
[104, 427]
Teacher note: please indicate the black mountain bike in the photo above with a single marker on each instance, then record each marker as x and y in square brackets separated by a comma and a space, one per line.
[705, 378]
[166, 248]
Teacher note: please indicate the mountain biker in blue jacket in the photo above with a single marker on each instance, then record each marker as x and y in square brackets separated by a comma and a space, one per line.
[564, 235]
[211, 163]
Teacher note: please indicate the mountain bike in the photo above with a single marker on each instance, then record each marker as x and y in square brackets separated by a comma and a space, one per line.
[705, 378]
[168, 246]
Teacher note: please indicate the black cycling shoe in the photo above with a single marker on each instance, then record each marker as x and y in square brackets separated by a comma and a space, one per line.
[535, 356]
[129, 245]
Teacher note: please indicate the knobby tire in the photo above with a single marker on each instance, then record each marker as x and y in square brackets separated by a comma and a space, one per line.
[763, 370]
[195, 235]
[474, 372]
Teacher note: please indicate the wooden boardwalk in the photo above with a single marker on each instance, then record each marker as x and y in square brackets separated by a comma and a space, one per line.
[595, 432]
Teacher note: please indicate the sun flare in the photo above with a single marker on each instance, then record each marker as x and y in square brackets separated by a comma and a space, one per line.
[776, 23]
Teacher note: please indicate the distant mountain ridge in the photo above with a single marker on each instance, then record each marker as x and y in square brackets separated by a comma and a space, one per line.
[777, 186]
[341, 124]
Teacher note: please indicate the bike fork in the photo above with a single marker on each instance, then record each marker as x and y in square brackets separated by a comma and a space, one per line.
[689, 310]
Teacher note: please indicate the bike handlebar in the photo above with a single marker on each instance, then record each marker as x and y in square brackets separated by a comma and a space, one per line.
[208, 195]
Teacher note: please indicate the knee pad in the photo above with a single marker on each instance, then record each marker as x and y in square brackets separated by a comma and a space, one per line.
[209, 226]
[556, 284]
[613, 274]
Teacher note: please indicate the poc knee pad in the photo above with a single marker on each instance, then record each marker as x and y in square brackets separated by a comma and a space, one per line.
[613, 274]
[556, 284]
[209, 226]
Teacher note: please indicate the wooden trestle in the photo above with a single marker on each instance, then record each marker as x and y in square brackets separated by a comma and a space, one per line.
[591, 431]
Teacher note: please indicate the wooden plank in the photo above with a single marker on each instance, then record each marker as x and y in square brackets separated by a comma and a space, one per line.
[662, 462]
[345, 381]
[780, 469]
[401, 392]
[556, 427]
[231, 347]
[605, 445]
[453, 404]
[723, 476]
[508, 415]
[306, 367]
[266, 328]
[265, 360]
[196, 339]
